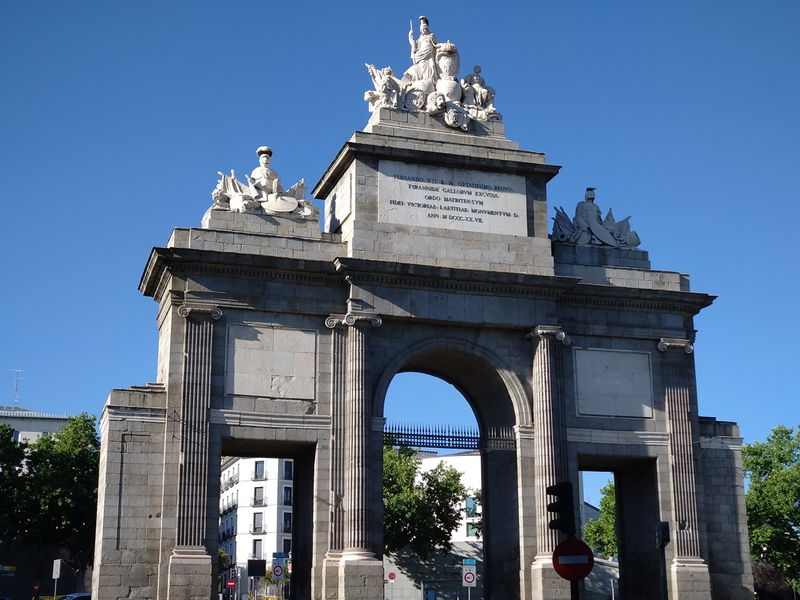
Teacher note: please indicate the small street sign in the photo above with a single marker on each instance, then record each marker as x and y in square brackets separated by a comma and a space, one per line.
[277, 569]
[573, 560]
[392, 576]
[469, 575]
[230, 584]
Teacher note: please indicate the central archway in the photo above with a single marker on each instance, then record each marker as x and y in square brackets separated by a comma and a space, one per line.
[498, 401]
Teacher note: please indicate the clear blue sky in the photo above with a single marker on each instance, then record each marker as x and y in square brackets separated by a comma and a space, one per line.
[116, 117]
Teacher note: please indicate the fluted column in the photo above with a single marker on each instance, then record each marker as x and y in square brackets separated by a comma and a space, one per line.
[681, 456]
[338, 417]
[689, 573]
[550, 464]
[195, 403]
[357, 426]
[190, 563]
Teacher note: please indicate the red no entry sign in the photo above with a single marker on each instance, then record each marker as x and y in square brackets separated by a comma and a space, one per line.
[231, 583]
[573, 560]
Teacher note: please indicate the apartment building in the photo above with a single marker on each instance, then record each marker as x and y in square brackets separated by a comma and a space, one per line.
[255, 513]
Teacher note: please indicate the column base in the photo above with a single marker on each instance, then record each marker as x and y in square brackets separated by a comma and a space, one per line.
[690, 580]
[546, 584]
[360, 578]
[189, 574]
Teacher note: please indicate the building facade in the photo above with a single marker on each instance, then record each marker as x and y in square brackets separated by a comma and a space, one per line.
[29, 425]
[255, 511]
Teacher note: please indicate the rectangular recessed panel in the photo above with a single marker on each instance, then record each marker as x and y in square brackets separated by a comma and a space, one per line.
[271, 362]
[613, 383]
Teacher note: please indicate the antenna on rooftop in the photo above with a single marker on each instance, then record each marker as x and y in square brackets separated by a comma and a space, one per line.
[17, 379]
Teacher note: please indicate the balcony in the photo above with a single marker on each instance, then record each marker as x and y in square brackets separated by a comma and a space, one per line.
[256, 529]
[229, 483]
[257, 502]
[256, 476]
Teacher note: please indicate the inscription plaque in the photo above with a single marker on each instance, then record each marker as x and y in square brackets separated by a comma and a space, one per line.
[455, 199]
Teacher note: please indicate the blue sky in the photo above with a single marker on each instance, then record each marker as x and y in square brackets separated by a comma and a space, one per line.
[116, 117]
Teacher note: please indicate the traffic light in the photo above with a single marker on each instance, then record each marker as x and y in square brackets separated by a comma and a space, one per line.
[563, 508]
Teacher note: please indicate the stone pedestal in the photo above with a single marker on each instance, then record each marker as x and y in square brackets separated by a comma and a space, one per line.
[189, 574]
[360, 578]
[689, 580]
[546, 583]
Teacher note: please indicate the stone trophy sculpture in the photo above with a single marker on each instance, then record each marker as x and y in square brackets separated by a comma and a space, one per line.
[431, 84]
[264, 193]
[588, 228]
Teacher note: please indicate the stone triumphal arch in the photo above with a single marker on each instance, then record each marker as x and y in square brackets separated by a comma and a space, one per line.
[276, 338]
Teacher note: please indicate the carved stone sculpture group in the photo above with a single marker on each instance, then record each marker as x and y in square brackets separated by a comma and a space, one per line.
[264, 193]
[431, 84]
[587, 228]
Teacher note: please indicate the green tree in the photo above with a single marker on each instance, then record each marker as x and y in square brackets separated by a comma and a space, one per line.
[12, 481]
[53, 490]
[601, 534]
[223, 560]
[419, 511]
[772, 469]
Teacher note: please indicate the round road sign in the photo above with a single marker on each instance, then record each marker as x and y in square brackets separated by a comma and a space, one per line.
[573, 560]
[392, 576]
[469, 577]
[231, 583]
[277, 571]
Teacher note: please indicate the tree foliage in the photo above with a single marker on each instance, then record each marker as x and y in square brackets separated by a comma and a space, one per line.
[49, 488]
[420, 511]
[601, 534]
[773, 500]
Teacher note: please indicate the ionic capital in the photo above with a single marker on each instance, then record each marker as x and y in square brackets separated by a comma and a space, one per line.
[351, 319]
[665, 344]
[211, 311]
[543, 331]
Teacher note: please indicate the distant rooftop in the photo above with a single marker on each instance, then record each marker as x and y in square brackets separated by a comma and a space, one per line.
[16, 411]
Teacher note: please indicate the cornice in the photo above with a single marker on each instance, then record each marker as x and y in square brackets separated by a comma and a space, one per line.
[602, 296]
[218, 416]
[566, 291]
[228, 264]
[404, 151]
[366, 273]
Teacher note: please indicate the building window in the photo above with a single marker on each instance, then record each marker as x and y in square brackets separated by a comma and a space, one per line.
[256, 549]
[287, 496]
[287, 545]
[287, 522]
[472, 507]
[258, 496]
[472, 530]
[258, 472]
[258, 522]
[287, 469]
